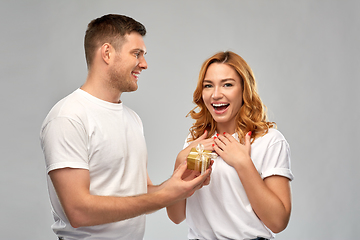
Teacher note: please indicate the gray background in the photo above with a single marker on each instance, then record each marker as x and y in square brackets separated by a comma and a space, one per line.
[306, 58]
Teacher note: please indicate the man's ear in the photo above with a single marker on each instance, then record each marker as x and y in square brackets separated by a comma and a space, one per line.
[106, 52]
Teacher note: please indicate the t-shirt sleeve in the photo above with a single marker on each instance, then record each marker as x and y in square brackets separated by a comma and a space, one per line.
[277, 160]
[186, 143]
[64, 143]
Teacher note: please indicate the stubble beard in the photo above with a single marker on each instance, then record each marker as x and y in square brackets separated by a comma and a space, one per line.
[121, 81]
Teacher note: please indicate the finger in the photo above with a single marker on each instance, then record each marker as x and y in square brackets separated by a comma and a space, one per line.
[208, 144]
[198, 140]
[202, 137]
[187, 175]
[223, 139]
[248, 141]
[179, 171]
[207, 180]
[197, 182]
[218, 150]
[211, 163]
[229, 137]
[220, 143]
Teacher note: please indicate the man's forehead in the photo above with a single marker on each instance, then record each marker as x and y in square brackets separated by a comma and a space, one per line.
[135, 42]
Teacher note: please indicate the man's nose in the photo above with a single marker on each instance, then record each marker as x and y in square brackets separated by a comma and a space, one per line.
[143, 63]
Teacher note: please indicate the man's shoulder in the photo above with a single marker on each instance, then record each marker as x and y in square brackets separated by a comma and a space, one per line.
[70, 106]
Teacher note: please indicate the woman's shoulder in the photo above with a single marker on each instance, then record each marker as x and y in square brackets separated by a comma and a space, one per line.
[272, 136]
[275, 133]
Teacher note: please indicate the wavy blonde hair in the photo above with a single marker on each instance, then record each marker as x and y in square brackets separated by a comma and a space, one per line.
[252, 114]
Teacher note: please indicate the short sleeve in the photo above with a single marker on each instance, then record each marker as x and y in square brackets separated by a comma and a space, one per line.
[277, 161]
[187, 141]
[64, 143]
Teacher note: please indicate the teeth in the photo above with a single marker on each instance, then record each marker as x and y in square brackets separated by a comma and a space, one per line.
[219, 104]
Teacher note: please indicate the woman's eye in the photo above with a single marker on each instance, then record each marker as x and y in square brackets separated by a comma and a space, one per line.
[207, 86]
[227, 85]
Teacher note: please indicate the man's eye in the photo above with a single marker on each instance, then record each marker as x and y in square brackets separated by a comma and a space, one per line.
[137, 54]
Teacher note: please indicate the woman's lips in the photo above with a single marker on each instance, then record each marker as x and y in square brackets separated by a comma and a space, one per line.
[220, 108]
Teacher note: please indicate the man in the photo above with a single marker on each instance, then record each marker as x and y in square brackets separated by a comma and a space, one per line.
[94, 146]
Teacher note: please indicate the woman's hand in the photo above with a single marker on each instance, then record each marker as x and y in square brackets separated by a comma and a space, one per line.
[230, 150]
[177, 211]
[207, 143]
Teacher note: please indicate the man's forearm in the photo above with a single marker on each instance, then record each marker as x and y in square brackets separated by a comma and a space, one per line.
[154, 188]
[84, 209]
[96, 210]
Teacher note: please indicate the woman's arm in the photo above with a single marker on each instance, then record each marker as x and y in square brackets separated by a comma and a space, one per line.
[177, 211]
[270, 198]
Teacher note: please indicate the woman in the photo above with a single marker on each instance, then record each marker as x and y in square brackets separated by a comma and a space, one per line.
[249, 195]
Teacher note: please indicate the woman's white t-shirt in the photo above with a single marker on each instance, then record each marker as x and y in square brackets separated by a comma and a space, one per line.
[222, 209]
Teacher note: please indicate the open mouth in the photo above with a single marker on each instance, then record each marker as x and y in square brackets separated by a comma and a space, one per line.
[135, 74]
[220, 106]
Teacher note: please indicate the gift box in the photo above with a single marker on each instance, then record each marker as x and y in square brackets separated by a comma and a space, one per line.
[199, 159]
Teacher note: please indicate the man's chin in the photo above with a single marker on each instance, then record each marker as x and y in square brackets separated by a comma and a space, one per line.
[132, 89]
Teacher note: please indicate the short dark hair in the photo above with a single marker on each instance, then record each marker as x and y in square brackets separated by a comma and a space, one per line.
[111, 29]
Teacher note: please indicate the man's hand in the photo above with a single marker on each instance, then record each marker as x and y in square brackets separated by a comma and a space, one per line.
[179, 188]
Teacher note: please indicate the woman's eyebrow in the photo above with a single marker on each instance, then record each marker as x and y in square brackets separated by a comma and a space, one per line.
[222, 80]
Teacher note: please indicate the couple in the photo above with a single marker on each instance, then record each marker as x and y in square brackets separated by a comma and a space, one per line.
[96, 155]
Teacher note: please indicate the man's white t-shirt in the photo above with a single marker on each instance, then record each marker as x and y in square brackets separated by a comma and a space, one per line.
[222, 209]
[82, 131]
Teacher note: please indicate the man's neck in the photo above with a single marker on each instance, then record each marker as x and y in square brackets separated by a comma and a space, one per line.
[101, 91]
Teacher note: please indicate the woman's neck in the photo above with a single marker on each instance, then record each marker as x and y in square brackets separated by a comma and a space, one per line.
[228, 128]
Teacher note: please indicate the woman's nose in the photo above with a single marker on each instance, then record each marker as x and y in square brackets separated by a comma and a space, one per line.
[217, 94]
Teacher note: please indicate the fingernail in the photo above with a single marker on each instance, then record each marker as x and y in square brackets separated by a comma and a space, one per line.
[224, 133]
[214, 137]
[249, 133]
[213, 145]
[217, 134]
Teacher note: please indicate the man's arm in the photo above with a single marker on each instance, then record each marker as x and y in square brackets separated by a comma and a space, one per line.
[150, 186]
[84, 209]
